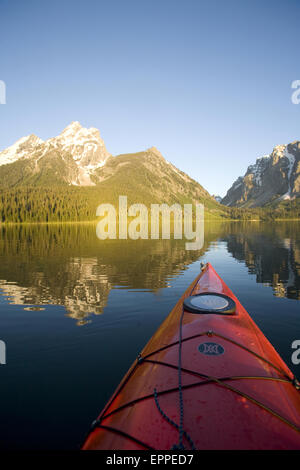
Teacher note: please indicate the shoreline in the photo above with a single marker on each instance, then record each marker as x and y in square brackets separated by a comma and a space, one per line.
[95, 222]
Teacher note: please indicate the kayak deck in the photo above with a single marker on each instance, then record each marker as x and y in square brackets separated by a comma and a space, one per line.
[204, 381]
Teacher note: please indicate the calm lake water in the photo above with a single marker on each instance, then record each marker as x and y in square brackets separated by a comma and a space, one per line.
[75, 312]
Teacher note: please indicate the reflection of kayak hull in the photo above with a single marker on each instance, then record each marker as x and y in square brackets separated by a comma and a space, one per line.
[235, 393]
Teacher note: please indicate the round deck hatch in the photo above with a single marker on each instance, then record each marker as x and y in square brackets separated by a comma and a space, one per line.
[210, 302]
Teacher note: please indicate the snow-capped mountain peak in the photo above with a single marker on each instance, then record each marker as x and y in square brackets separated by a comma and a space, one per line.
[85, 145]
[80, 150]
[23, 148]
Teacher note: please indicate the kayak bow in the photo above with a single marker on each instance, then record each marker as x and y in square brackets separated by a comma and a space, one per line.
[208, 379]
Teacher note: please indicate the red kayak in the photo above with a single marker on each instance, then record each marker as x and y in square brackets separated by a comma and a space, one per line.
[208, 379]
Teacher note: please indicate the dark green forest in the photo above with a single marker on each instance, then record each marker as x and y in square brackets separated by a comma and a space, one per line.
[72, 204]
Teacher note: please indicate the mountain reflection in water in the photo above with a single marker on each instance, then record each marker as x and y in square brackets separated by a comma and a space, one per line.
[67, 265]
[272, 253]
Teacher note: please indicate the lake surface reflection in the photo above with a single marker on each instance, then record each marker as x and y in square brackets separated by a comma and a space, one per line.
[75, 311]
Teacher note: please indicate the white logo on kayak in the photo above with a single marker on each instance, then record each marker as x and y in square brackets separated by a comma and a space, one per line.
[211, 349]
[296, 354]
[161, 216]
[2, 352]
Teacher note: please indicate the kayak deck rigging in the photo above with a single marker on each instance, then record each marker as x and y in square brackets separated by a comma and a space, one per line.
[122, 401]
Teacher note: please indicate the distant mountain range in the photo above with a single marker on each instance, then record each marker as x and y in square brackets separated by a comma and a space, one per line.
[272, 179]
[66, 177]
[79, 173]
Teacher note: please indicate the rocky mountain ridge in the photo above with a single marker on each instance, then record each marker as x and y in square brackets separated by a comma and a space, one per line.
[77, 150]
[273, 178]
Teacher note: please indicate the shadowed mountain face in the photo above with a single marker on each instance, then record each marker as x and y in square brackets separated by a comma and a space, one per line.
[273, 178]
[69, 266]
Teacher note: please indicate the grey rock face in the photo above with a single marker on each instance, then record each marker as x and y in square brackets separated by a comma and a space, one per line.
[273, 177]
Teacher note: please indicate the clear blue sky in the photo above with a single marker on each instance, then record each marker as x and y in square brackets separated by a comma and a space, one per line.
[206, 82]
